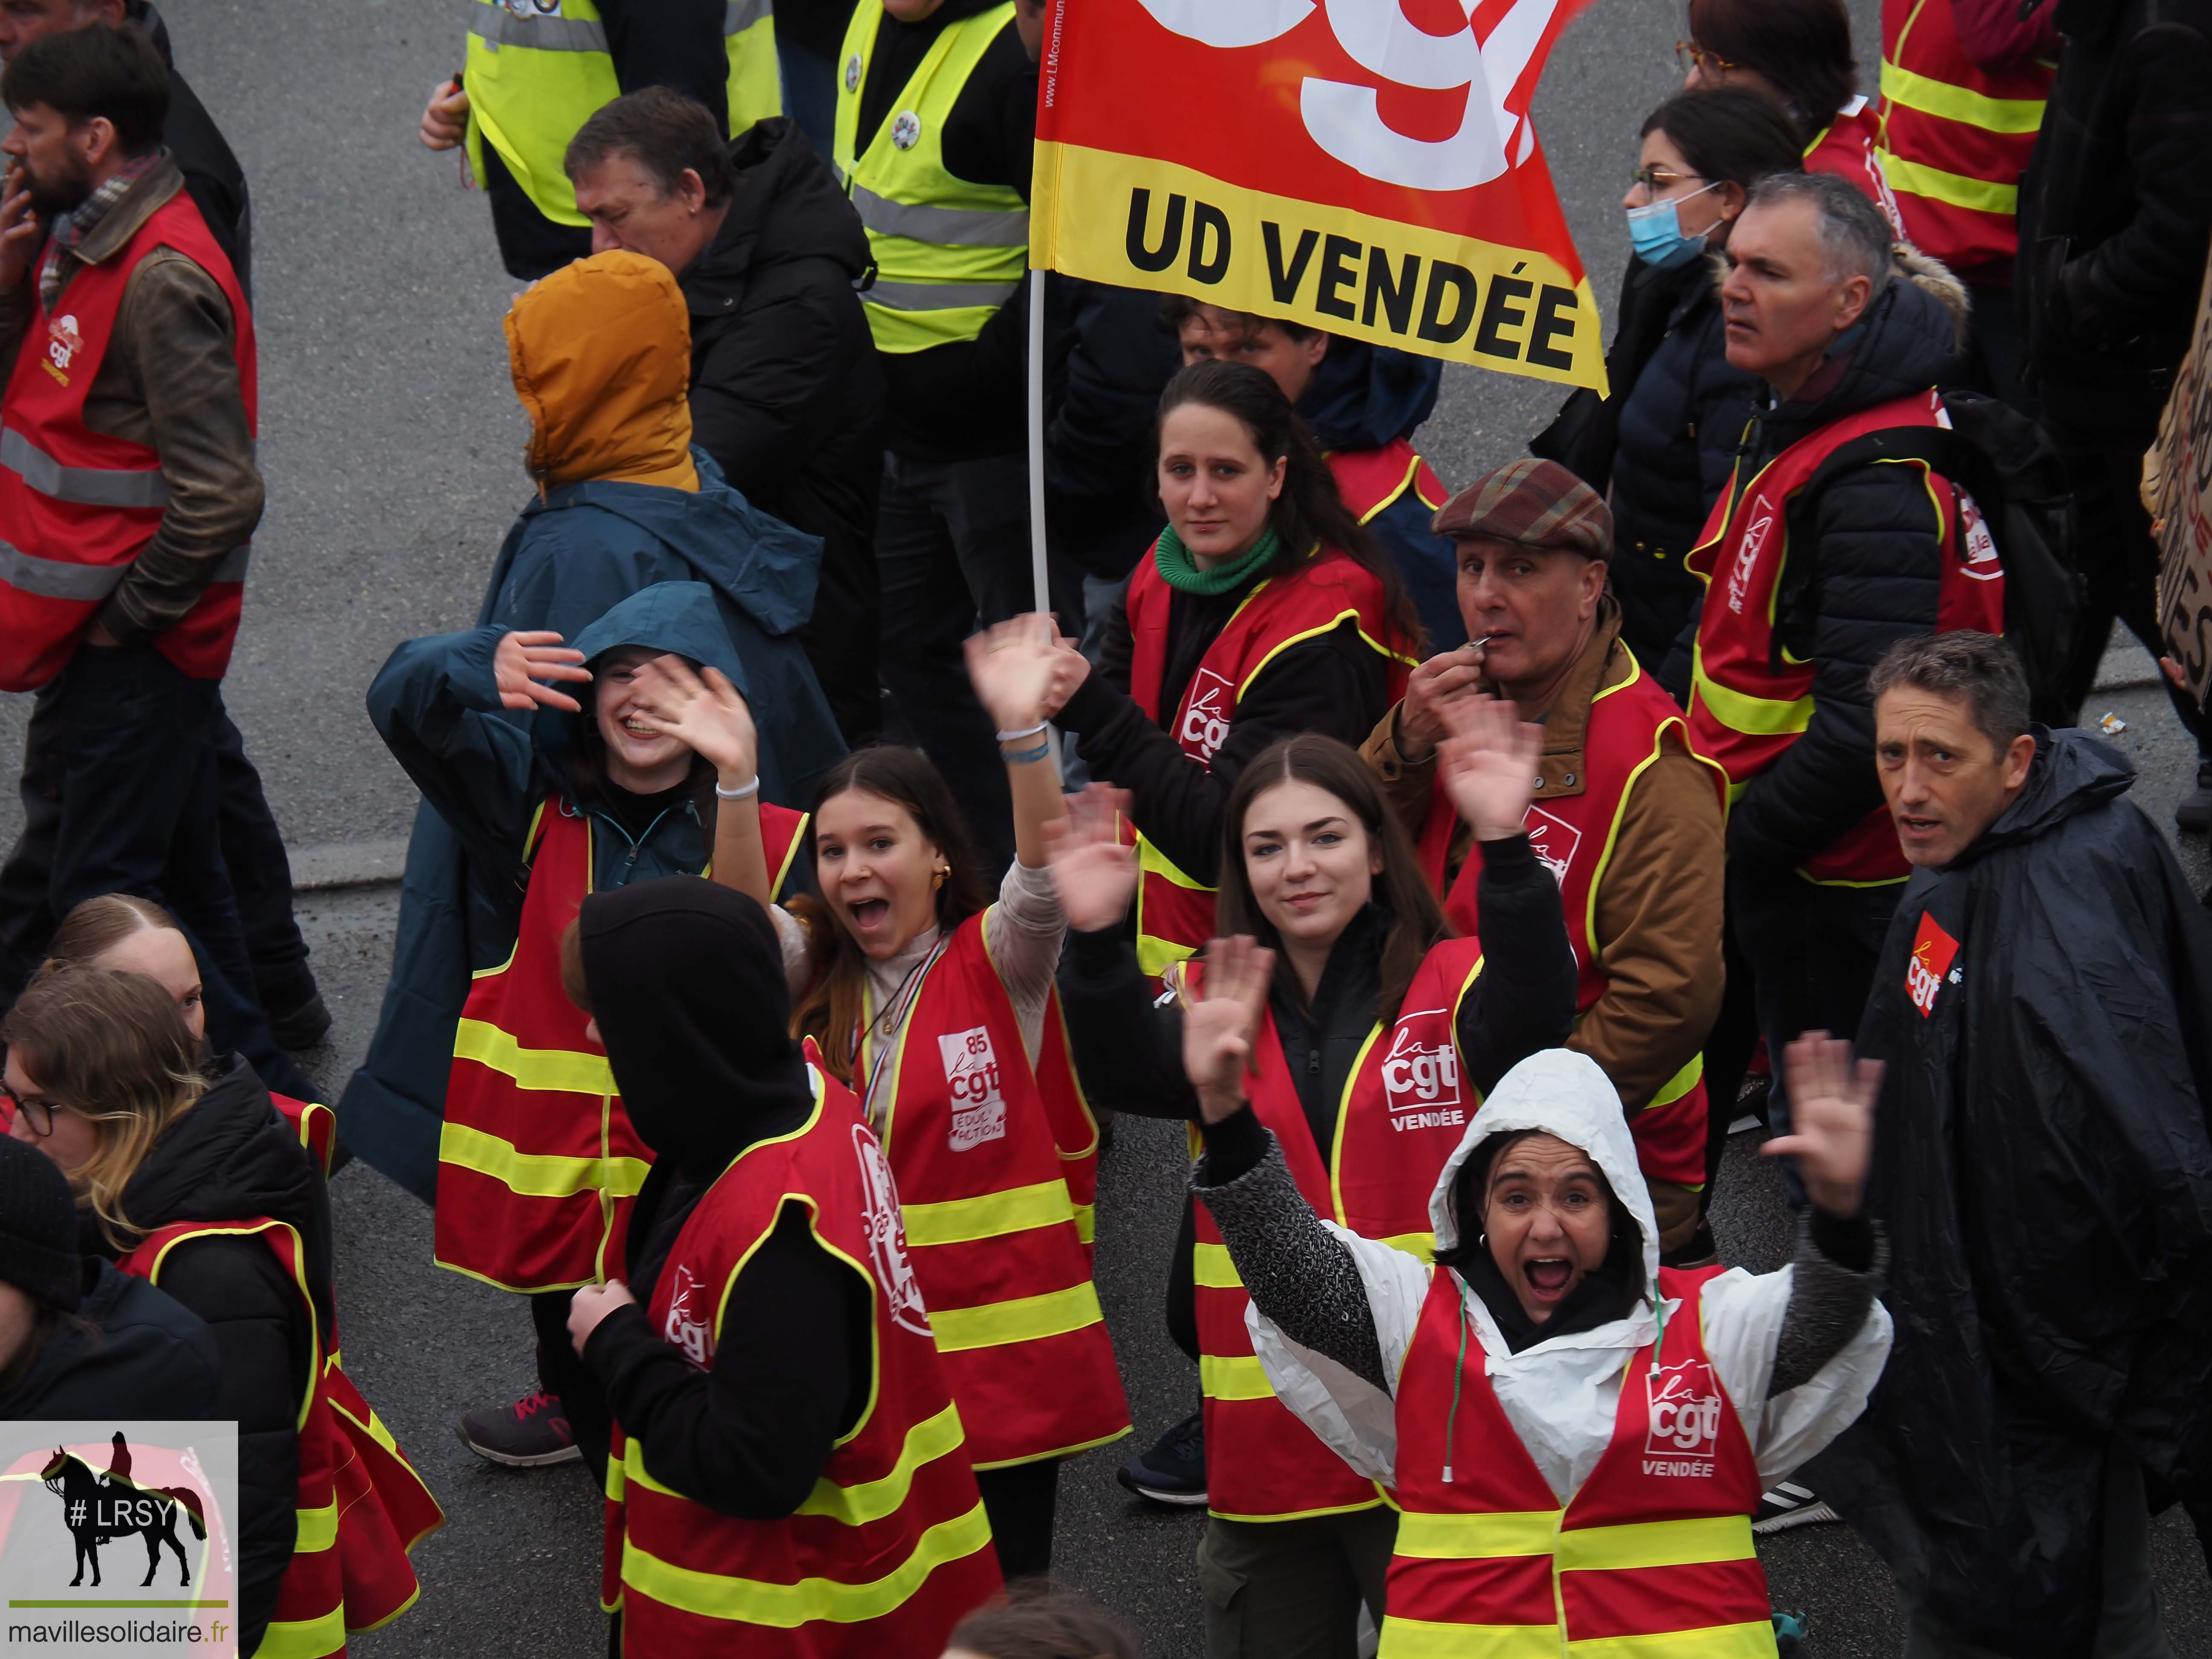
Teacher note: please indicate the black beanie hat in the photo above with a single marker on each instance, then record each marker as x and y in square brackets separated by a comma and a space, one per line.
[37, 1226]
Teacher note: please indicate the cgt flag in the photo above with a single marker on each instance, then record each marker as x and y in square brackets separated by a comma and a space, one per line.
[1364, 166]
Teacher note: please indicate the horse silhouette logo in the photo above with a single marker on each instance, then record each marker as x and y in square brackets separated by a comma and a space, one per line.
[99, 1508]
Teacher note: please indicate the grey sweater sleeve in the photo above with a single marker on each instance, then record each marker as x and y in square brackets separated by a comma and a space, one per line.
[1828, 1298]
[1296, 1273]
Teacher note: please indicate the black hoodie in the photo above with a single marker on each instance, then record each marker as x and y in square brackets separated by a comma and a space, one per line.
[1868, 575]
[2043, 1165]
[232, 1157]
[213, 178]
[687, 987]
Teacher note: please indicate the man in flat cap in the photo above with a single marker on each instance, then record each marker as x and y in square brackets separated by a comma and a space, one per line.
[1626, 816]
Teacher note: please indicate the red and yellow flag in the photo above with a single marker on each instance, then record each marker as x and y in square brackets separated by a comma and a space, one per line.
[1364, 166]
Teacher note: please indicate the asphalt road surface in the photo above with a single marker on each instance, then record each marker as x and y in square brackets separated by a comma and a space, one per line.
[392, 442]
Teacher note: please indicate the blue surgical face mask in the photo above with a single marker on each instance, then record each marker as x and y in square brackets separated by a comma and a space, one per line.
[1656, 233]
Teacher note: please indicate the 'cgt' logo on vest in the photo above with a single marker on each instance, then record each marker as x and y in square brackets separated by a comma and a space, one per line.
[1981, 562]
[1206, 722]
[1924, 969]
[1684, 1436]
[691, 1325]
[1552, 840]
[880, 1220]
[1747, 551]
[1421, 1086]
[63, 343]
[971, 1072]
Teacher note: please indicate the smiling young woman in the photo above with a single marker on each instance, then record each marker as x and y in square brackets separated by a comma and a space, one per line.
[936, 1006]
[1377, 1034]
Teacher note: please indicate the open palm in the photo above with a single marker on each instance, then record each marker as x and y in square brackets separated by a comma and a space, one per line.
[1219, 1028]
[1094, 874]
[1487, 766]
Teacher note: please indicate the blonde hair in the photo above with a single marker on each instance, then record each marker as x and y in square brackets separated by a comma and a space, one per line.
[114, 1049]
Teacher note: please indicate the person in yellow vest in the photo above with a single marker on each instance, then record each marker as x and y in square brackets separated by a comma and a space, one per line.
[1575, 1434]
[1625, 815]
[791, 1478]
[649, 770]
[936, 121]
[1963, 85]
[1381, 1033]
[188, 1179]
[937, 1008]
[536, 71]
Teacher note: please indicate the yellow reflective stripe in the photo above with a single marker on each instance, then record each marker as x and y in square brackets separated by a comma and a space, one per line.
[1086, 1222]
[1155, 862]
[616, 1479]
[1421, 1246]
[1655, 1544]
[1479, 1537]
[1953, 189]
[1024, 1319]
[1237, 1378]
[318, 1530]
[1417, 1638]
[1941, 98]
[1750, 1641]
[1740, 712]
[305, 1638]
[563, 1069]
[1691, 1074]
[871, 1500]
[964, 1220]
[538, 1174]
[787, 1607]
[1212, 1267]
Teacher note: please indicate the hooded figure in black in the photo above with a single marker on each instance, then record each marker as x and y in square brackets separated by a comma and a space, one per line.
[686, 983]
[2043, 1166]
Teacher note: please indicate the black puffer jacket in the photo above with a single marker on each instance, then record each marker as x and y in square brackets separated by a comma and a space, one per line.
[1875, 574]
[136, 1352]
[2115, 211]
[230, 1158]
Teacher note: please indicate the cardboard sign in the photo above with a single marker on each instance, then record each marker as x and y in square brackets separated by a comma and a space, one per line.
[2177, 490]
[1364, 166]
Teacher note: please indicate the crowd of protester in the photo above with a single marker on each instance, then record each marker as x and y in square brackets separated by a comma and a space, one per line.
[793, 904]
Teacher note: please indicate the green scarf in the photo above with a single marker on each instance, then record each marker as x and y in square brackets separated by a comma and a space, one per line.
[1181, 572]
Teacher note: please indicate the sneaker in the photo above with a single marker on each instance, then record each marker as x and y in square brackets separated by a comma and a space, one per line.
[532, 1431]
[2195, 811]
[1174, 1470]
[1789, 1505]
[302, 1027]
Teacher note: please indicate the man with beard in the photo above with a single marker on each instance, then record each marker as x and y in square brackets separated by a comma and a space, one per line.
[128, 493]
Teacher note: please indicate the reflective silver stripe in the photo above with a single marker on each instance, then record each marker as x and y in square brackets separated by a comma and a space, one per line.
[86, 485]
[939, 296]
[495, 26]
[947, 227]
[58, 579]
[742, 15]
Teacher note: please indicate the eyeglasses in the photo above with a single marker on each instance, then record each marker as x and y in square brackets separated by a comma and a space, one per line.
[1655, 179]
[34, 1109]
[1687, 53]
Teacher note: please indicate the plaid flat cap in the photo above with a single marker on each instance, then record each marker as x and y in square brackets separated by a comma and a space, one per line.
[1536, 503]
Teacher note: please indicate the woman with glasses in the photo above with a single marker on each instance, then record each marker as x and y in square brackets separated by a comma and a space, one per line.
[1661, 443]
[1797, 52]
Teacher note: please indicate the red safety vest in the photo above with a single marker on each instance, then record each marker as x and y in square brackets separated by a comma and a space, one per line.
[1406, 1105]
[78, 506]
[537, 1163]
[892, 1547]
[1074, 1129]
[1001, 1264]
[1371, 480]
[1955, 139]
[1575, 836]
[1654, 1555]
[1174, 913]
[1749, 698]
[362, 1506]
[1846, 148]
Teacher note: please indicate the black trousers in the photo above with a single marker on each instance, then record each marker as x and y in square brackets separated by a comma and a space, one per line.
[561, 1370]
[128, 768]
[1021, 1502]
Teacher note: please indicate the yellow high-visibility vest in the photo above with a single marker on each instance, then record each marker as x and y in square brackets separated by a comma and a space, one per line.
[948, 253]
[537, 70]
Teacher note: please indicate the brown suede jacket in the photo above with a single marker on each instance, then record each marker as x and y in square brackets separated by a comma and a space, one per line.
[1658, 921]
[168, 381]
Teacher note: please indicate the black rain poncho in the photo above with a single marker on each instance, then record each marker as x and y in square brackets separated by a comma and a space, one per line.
[2043, 1165]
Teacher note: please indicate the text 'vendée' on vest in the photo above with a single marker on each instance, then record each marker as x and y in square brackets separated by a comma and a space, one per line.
[1406, 1105]
[80, 506]
[892, 1547]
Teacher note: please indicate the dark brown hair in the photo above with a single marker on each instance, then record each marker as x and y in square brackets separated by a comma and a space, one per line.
[1729, 135]
[1308, 511]
[95, 927]
[94, 74]
[1417, 922]
[1979, 668]
[667, 133]
[830, 1011]
[1802, 47]
[1031, 1622]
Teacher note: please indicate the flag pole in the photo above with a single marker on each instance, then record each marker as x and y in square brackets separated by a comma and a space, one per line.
[1038, 577]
